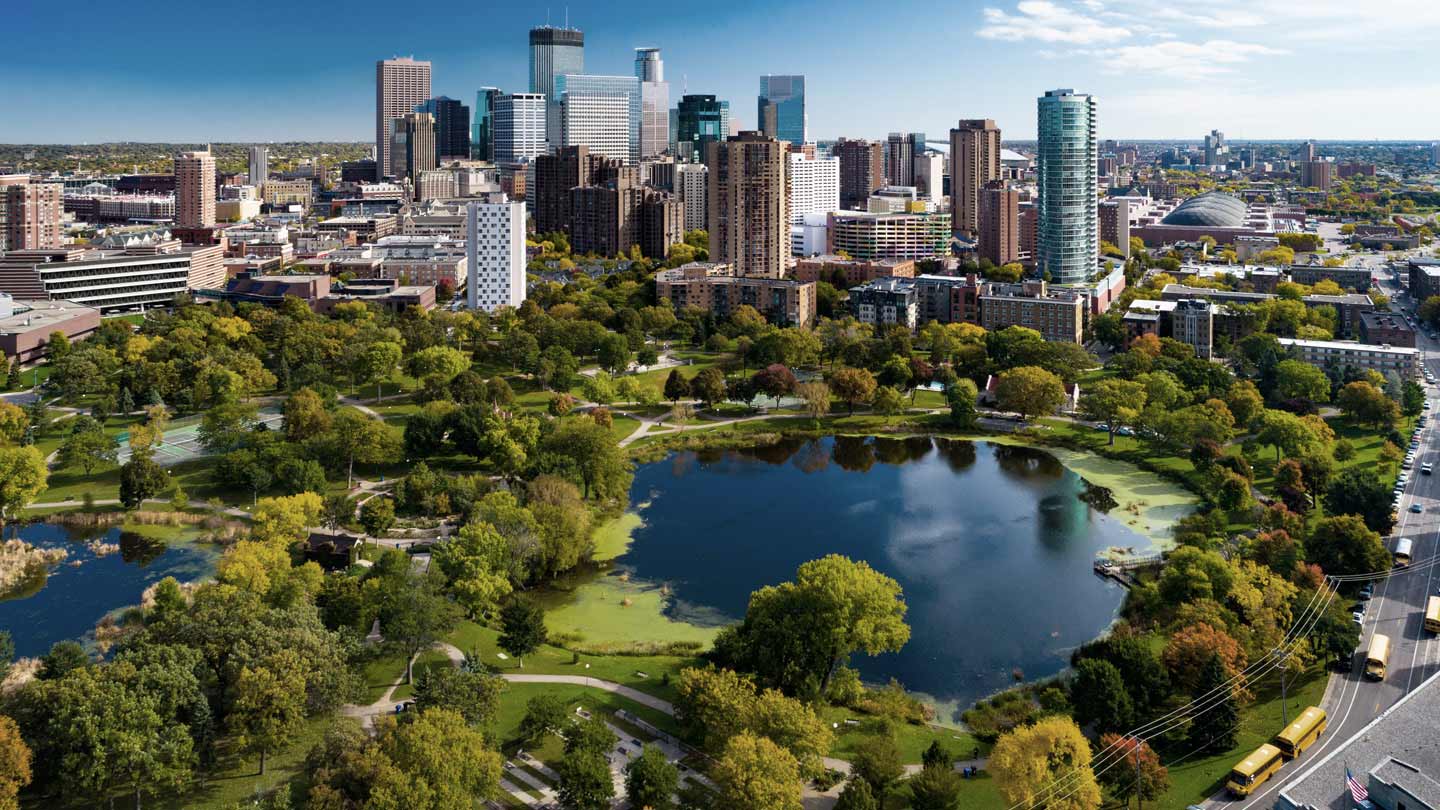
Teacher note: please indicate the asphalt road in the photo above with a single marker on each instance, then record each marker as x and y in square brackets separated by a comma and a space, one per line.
[1396, 611]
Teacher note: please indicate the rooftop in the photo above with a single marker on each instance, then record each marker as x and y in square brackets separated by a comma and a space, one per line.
[41, 316]
[1348, 345]
[1213, 209]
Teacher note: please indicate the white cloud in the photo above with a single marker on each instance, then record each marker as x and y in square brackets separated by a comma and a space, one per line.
[1182, 60]
[1216, 18]
[1045, 21]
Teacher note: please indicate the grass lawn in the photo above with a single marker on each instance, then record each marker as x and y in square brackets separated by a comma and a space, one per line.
[623, 426]
[238, 778]
[912, 740]
[506, 726]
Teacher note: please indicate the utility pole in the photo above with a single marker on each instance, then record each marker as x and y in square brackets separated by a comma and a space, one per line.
[1284, 709]
[1139, 800]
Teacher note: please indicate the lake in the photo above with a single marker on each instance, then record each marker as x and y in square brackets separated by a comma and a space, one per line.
[85, 586]
[992, 544]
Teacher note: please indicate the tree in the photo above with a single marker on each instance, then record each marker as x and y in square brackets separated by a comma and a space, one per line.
[613, 353]
[269, 704]
[433, 762]
[474, 695]
[522, 630]
[1138, 773]
[1286, 432]
[1365, 404]
[1215, 728]
[544, 715]
[443, 362]
[225, 426]
[755, 772]
[415, 619]
[1345, 544]
[817, 398]
[593, 454]
[650, 780]
[1359, 491]
[936, 788]
[857, 796]
[560, 404]
[1045, 764]
[585, 782]
[1299, 380]
[140, 479]
[960, 396]
[936, 756]
[355, 437]
[676, 386]
[1100, 696]
[338, 510]
[305, 416]
[1029, 391]
[775, 381]
[63, 658]
[1412, 398]
[877, 762]
[709, 386]
[1115, 402]
[853, 385]
[286, 520]
[379, 361]
[1190, 649]
[888, 401]
[377, 515]
[88, 446]
[14, 764]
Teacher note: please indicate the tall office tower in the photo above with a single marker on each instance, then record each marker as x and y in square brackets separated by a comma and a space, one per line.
[899, 160]
[555, 175]
[259, 165]
[862, 170]
[554, 52]
[999, 234]
[195, 190]
[604, 114]
[814, 186]
[691, 185]
[974, 161]
[30, 215]
[930, 176]
[495, 254]
[747, 204]
[452, 127]
[699, 118]
[1068, 231]
[482, 126]
[412, 145]
[654, 102]
[780, 112]
[1216, 151]
[519, 127]
[401, 85]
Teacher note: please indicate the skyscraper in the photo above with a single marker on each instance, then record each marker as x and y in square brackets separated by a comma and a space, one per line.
[1216, 151]
[259, 165]
[998, 238]
[748, 201]
[974, 162]
[412, 145]
[602, 112]
[699, 118]
[654, 102]
[482, 128]
[195, 190]
[401, 84]
[519, 127]
[1067, 241]
[30, 215]
[495, 254]
[862, 170]
[690, 184]
[814, 186]
[452, 127]
[780, 111]
[555, 175]
[553, 53]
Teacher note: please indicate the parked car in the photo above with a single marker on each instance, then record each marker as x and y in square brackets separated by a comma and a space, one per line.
[1416, 508]
[1368, 592]
[1427, 468]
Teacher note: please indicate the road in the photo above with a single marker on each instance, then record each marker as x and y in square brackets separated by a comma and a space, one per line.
[1396, 611]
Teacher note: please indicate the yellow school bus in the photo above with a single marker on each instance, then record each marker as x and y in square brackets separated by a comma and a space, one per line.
[1254, 770]
[1432, 614]
[1377, 657]
[1302, 732]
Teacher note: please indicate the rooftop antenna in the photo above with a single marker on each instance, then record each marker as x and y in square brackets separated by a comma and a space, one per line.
[567, 18]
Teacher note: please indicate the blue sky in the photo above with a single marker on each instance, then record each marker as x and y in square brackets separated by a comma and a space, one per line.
[153, 70]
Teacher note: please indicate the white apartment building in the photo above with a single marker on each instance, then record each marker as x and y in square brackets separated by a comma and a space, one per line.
[519, 127]
[814, 186]
[495, 252]
[600, 121]
[691, 185]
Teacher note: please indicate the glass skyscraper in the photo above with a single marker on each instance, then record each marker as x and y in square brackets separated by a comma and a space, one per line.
[698, 119]
[654, 102]
[452, 126]
[589, 86]
[1067, 240]
[781, 107]
[554, 52]
[482, 127]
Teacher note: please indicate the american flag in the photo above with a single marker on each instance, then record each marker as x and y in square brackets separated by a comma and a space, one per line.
[1357, 790]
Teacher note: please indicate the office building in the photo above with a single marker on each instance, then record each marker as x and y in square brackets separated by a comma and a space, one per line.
[699, 119]
[195, 190]
[555, 175]
[119, 273]
[30, 215]
[26, 326]
[1317, 174]
[900, 152]
[862, 170]
[654, 102]
[554, 52]
[602, 112]
[259, 165]
[482, 125]
[998, 236]
[886, 302]
[974, 162]
[691, 182]
[747, 204]
[930, 177]
[719, 290]
[452, 127]
[1217, 153]
[401, 84]
[780, 112]
[519, 128]
[814, 186]
[280, 193]
[495, 254]
[1068, 236]
[888, 235]
[412, 145]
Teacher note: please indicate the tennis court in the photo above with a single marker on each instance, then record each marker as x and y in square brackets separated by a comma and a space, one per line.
[182, 439]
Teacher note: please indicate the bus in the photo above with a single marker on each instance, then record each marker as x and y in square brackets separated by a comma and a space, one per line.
[1377, 657]
[1302, 732]
[1432, 614]
[1402, 552]
[1254, 770]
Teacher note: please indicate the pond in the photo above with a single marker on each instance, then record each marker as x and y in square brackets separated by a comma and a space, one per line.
[87, 585]
[992, 544]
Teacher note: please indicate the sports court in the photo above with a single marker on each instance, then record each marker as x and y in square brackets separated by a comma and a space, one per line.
[182, 439]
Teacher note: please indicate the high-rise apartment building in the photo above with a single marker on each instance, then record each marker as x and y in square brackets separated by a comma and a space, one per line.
[602, 112]
[780, 111]
[519, 124]
[690, 183]
[554, 52]
[862, 170]
[974, 162]
[452, 127]
[195, 190]
[482, 125]
[1317, 174]
[654, 102]
[1068, 232]
[1216, 151]
[495, 254]
[748, 202]
[555, 175]
[30, 215]
[412, 145]
[930, 176]
[259, 165]
[698, 119]
[998, 237]
[401, 85]
[619, 213]
[901, 151]
[814, 186]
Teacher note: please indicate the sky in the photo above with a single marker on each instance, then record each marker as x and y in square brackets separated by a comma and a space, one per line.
[158, 70]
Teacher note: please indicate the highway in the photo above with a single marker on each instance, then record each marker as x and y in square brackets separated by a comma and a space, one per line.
[1396, 611]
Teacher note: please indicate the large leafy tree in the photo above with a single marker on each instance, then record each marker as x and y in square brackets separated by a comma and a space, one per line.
[1215, 728]
[1344, 544]
[1138, 773]
[22, 479]
[853, 386]
[15, 759]
[1357, 491]
[522, 630]
[755, 772]
[650, 780]
[1100, 696]
[1045, 764]
[269, 704]
[1030, 391]
[1115, 402]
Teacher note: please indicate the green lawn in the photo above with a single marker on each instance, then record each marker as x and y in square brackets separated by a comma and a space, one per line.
[238, 778]
[911, 739]
[516, 695]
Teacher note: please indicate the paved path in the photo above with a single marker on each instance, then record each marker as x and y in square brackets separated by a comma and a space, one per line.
[361, 407]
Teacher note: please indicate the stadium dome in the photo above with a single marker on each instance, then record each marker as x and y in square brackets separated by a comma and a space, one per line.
[1213, 209]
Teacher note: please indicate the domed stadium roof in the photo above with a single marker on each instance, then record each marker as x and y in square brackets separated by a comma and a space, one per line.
[1213, 209]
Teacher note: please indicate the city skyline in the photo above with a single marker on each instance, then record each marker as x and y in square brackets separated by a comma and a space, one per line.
[1162, 75]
